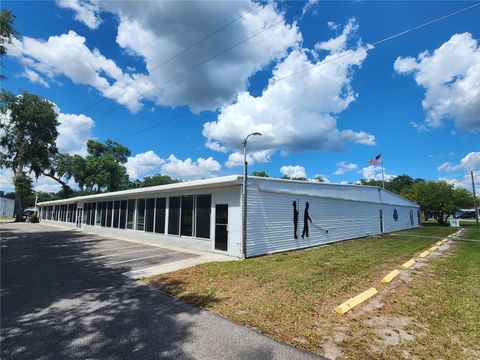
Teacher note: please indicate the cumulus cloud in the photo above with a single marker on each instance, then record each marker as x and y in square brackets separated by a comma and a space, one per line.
[74, 132]
[149, 163]
[68, 55]
[144, 28]
[143, 164]
[293, 171]
[464, 181]
[186, 169]
[470, 162]
[451, 79]
[236, 158]
[344, 167]
[34, 77]
[304, 106]
[375, 173]
[85, 11]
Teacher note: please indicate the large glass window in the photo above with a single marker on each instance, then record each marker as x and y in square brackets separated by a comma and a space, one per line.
[123, 213]
[204, 205]
[174, 215]
[149, 215]
[92, 215]
[160, 215]
[116, 215]
[109, 214]
[187, 216]
[140, 214]
[103, 219]
[86, 213]
[131, 211]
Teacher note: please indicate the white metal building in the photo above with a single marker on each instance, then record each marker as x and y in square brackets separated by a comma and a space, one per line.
[6, 207]
[207, 214]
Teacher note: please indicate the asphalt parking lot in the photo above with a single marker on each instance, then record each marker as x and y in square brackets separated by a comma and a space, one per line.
[117, 254]
[64, 296]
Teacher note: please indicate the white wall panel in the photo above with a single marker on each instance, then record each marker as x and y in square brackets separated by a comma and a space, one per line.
[271, 228]
[406, 218]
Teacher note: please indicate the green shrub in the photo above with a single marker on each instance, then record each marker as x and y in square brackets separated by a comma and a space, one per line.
[34, 218]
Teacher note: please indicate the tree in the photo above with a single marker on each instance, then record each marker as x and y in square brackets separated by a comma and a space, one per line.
[153, 180]
[260, 174]
[7, 32]
[104, 166]
[319, 179]
[29, 125]
[438, 199]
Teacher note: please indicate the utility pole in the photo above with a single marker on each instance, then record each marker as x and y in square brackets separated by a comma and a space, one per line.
[474, 199]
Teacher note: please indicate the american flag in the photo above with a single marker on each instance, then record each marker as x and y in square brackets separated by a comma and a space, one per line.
[375, 160]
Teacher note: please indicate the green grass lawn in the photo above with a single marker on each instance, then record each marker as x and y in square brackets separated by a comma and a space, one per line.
[442, 303]
[291, 296]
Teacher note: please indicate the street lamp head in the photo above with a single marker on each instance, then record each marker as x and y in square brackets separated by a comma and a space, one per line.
[256, 133]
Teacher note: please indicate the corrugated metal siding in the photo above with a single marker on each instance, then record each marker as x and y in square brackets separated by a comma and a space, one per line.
[403, 218]
[333, 191]
[270, 221]
[270, 225]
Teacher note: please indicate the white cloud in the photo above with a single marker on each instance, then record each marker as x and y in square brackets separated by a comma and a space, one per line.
[451, 79]
[215, 146]
[304, 107]
[67, 55]
[143, 164]
[344, 167]
[202, 168]
[74, 132]
[470, 162]
[375, 173]
[293, 171]
[465, 181]
[158, 31]
[338, 43]
[34, 77]
[236, 158]
[85, 11]
[308, 6]
[6, 178]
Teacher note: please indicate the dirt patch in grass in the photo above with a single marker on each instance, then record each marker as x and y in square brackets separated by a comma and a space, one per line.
[291, 296]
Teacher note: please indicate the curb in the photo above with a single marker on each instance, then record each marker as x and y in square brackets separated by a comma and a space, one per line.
[351, 303]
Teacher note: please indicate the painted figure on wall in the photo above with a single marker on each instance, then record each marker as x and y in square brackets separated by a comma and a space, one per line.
[411, 218]
[306, 219]
[295, 219]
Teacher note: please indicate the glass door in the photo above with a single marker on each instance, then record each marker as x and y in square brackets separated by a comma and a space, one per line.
[221, 227]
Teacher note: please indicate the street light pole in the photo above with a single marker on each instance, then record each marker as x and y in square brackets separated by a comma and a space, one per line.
[244, 195]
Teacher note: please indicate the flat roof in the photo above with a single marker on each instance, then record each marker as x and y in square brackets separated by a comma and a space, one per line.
[216, 182]
[187, 185]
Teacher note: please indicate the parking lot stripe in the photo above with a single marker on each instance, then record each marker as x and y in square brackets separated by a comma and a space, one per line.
[119, 248]
[142, 258]
[120, 253]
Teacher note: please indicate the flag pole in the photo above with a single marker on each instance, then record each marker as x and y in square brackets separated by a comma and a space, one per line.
[383, 177]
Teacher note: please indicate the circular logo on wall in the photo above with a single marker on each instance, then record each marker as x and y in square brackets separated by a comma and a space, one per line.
[395, 214]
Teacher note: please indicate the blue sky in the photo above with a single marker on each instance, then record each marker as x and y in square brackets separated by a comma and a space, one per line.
[105, 65]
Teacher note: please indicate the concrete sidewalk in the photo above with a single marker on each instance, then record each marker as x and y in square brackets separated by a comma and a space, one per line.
[58, 302]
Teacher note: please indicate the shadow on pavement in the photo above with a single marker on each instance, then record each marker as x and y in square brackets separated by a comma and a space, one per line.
[59, 303]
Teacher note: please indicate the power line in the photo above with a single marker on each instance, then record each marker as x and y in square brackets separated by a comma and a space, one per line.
[379, 42]
[189, 69]
[172, 58]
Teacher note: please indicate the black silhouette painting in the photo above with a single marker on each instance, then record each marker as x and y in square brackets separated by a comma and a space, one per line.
[306, 218]
[411, 218]
[295, 219]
